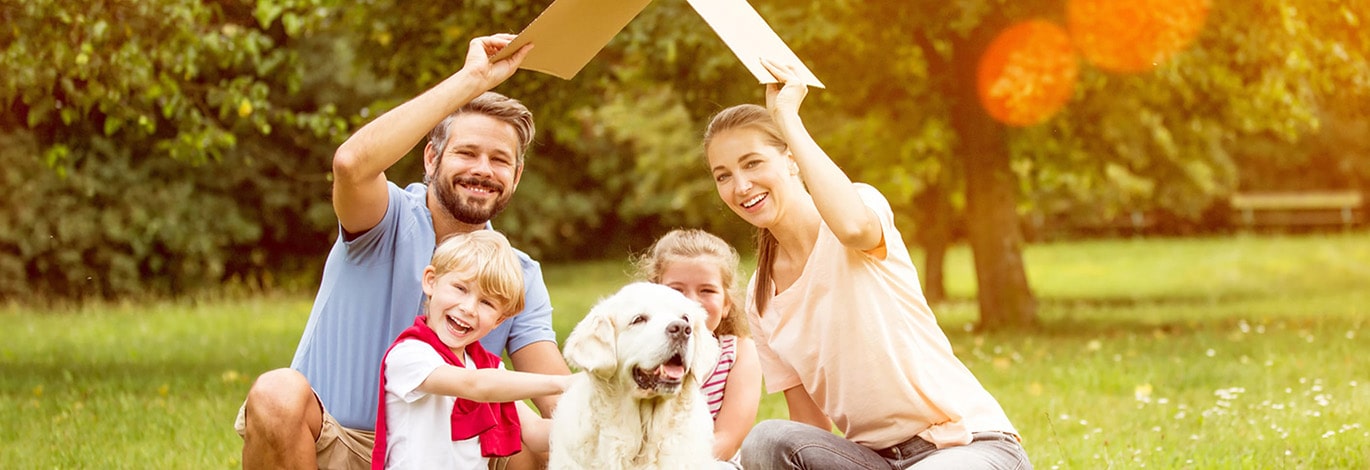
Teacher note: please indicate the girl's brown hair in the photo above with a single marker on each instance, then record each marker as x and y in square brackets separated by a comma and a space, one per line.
[750, 116]
[689, 244]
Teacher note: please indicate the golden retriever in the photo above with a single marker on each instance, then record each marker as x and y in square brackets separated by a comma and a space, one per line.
[645, 350]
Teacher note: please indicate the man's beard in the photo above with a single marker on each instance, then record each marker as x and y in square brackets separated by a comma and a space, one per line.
[467, 211]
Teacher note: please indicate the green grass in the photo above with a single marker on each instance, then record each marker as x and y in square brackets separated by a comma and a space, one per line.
[1243, 352]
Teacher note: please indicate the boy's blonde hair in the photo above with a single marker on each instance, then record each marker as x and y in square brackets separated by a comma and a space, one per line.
[687, 244]
[485, 257]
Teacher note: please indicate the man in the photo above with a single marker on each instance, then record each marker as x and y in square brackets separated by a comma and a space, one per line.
[320, 413]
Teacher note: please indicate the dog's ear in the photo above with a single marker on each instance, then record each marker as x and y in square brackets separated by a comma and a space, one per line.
[590, 346]
[704, 358]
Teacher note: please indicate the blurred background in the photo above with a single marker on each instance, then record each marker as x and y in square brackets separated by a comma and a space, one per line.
[161, 147]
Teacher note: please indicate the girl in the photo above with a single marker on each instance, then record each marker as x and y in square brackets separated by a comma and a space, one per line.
[841, 324]
[704, 268]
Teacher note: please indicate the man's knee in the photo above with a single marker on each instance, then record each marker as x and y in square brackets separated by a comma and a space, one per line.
[278, 396]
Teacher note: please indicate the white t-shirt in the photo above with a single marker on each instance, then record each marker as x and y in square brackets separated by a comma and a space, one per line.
[419, 425]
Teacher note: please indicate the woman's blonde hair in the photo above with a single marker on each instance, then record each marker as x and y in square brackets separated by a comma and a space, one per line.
[692, 244]
[485, 257]
[754, 117]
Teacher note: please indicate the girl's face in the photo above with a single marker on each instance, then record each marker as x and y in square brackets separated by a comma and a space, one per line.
[701, 281]
[751, 175]
[457, 309]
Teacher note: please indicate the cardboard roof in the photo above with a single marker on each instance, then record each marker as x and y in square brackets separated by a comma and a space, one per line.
[570, 32]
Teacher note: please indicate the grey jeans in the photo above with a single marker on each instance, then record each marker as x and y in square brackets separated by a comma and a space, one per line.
[783, 444]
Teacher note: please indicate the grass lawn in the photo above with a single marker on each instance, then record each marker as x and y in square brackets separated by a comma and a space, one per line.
[1243, 352]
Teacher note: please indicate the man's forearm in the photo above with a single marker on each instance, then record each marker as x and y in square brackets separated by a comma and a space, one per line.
[382, 142]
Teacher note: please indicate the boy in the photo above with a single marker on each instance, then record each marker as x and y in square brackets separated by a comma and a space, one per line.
[446, 402]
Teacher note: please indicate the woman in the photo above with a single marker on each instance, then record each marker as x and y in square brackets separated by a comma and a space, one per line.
[840, 322]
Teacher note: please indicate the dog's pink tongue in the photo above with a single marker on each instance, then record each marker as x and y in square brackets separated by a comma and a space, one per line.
[671, 371]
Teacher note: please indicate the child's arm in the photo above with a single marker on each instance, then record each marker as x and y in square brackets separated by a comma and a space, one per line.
[536, 429]
[741, 398]
[492, 385]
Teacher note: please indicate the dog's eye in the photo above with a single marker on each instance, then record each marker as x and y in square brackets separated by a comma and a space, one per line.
[640, 318]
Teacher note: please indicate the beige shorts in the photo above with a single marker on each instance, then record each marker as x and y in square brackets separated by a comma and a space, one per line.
[340, 447]
[337, 447]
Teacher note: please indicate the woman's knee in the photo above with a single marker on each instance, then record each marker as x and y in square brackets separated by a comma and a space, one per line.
[768, 437]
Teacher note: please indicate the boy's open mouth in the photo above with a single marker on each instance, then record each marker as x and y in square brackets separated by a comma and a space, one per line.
[457, 326]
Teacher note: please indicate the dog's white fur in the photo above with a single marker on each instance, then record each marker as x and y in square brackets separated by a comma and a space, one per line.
[610, 420]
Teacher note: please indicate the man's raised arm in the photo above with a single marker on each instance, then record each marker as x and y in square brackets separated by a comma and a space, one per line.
[359, 185]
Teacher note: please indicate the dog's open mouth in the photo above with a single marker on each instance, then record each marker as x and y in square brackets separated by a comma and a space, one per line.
[667, 376]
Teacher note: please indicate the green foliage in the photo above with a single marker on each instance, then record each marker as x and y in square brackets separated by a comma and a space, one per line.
[113, 226]
[1174, 139]
[167, 145]
[246, 101]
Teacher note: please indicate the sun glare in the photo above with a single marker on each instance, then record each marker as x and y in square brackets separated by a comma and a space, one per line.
[1130, 36]
[1028, 73]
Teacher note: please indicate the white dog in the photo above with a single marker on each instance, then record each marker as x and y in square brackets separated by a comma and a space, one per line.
[646, 350]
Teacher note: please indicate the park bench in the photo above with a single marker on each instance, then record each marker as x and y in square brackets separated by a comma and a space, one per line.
[1301, 209]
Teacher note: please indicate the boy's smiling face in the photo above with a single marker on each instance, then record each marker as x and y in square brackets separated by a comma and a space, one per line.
[457, 309]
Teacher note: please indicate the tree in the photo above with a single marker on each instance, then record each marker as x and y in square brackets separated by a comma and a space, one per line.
[899, 74]
[161, 146]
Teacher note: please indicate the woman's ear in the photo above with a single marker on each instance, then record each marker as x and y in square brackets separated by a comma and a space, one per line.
[590, 346]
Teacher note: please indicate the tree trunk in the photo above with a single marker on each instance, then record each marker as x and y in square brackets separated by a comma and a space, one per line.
[996, 239]
[934, 233]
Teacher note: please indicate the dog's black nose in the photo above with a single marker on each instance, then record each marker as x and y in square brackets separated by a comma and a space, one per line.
[678, 329]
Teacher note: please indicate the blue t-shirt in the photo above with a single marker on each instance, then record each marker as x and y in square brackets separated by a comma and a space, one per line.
[371, 291]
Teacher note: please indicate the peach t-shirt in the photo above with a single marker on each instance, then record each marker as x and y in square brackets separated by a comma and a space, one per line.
[855, 331]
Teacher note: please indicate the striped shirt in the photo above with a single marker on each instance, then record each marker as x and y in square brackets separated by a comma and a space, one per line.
[713, 387]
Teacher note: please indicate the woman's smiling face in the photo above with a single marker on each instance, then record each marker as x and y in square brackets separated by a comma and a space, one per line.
[750, 173]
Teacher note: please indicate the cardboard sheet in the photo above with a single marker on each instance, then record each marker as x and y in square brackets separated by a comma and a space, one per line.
[571, 32]
[750, 38]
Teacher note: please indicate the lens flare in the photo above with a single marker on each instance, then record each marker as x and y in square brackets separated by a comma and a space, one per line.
[1027, 74]
[1131, 36]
